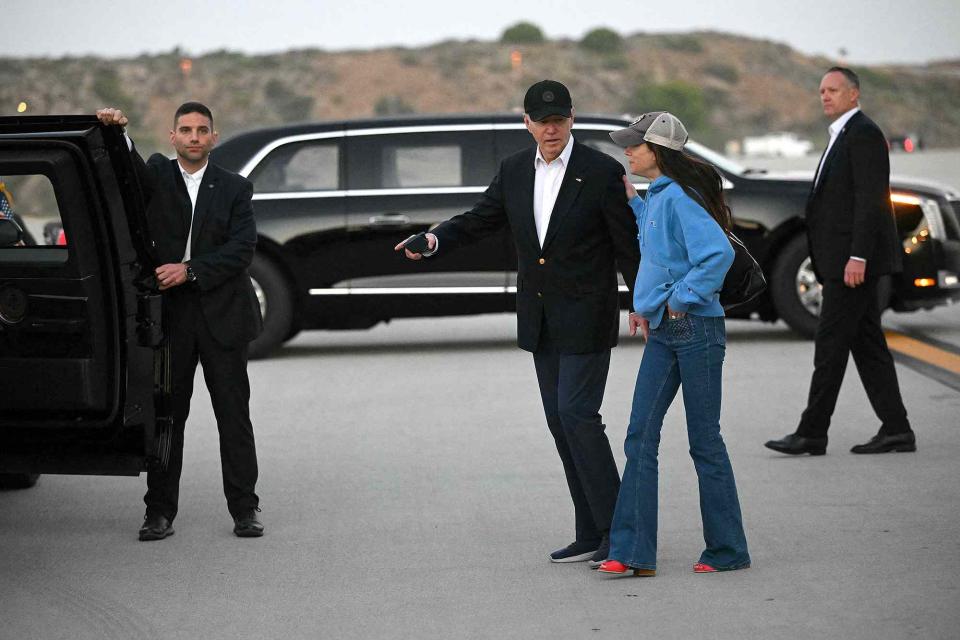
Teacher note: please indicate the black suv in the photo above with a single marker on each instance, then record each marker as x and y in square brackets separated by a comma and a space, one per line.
[332, 199]
[84, 375]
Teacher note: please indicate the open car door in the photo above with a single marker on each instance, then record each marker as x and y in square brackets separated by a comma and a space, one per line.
[84, 368]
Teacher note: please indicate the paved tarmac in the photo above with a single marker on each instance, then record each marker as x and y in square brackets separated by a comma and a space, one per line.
[410, 489]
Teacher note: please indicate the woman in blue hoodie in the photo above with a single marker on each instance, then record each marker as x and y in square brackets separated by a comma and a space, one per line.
[685, 255]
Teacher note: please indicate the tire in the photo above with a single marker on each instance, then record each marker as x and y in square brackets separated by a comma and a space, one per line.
[276, 305]
[18, 480]
[794, 289]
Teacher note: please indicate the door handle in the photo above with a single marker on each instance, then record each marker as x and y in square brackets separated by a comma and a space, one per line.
[390, 219]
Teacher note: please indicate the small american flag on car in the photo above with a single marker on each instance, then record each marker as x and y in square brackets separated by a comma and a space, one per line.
[6, 202]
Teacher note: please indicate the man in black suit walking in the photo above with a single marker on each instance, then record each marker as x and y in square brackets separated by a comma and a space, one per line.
[201, 220]
[565, 205]
[853, 242]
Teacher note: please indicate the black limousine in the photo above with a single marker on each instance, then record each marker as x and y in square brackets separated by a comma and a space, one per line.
[333, 198]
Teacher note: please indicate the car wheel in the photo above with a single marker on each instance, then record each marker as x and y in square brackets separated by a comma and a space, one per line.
[795, 291]
[18, 480]
[276, 306]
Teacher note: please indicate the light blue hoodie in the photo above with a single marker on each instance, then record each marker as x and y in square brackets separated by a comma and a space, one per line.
[684, 254]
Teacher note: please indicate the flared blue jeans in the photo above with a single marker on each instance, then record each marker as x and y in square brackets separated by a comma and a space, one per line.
[684, 353]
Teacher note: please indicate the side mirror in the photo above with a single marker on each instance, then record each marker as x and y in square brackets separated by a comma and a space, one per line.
[10, 232]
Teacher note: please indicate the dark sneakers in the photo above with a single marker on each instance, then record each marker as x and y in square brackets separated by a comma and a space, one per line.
[576, 551]
[155, 528]
[884, 444]
[246, 524]
[796, 445]
[602, 553]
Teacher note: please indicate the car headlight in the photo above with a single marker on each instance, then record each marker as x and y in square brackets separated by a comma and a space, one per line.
[918, 219]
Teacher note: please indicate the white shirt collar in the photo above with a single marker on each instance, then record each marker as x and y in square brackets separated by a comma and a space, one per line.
[196, 176]
[837, 125]
[564, 156]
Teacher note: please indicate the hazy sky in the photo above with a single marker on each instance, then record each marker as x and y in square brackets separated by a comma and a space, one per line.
[896, 31]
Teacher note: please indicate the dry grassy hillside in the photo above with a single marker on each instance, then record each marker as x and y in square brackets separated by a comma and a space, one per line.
[724, 86]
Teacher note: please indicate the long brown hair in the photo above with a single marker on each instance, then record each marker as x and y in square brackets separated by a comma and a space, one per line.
[699, 180]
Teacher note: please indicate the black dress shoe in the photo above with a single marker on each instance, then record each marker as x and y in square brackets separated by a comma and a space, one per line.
[155, 528]
[796, 445]
[884, 444]
[246, 524]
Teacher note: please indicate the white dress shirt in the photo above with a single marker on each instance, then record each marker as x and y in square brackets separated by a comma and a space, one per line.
[835, 128]
[192, 180]
[546, 186]
[548, 176]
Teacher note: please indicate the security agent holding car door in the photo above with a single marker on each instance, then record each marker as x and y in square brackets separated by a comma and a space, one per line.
[853, 242]
[572, 228]
[201, 220]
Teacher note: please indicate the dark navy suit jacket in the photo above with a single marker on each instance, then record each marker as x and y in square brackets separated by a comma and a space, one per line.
[571, 283]
[222, 244]
[849, 211]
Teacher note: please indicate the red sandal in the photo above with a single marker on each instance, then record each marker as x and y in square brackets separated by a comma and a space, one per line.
[701, 567]
[617, 568]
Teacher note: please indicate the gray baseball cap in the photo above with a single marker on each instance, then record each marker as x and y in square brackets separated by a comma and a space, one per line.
[658, 127]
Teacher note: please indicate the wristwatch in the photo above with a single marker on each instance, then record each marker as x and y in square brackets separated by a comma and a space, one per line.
[191, 275]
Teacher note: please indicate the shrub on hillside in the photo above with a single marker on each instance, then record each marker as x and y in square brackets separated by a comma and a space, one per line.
[109, 88]
[685, 42]
[522, 33]
[875, 80]
[722, 71]
[602, 40]
[684, 100]
[392, 106]
[289, 105]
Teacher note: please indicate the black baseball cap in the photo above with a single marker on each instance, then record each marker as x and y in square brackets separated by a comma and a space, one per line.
[547, 98]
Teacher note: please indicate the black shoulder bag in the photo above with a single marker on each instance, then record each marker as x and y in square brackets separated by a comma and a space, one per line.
[744, 280]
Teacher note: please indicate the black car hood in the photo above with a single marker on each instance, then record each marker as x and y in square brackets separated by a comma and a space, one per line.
[909, 183]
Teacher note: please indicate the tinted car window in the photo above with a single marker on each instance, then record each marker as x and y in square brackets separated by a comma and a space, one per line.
[509, 141]
[409, 165]
[302, 166]
[31, 201]
[512, 140]
[604, 144]
[420, 159]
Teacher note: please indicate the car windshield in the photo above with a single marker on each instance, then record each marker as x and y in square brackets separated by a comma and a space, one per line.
[721, 162]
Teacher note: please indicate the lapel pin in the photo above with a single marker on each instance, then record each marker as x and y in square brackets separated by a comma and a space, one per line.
[578, 179]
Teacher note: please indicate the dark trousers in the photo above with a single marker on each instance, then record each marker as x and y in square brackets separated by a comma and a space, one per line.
[850, 324]
[225, 373]
[571, 387]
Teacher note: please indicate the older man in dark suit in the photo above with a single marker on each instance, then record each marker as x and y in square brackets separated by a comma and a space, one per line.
[853, 243]
[565, 205]
[201, 219]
